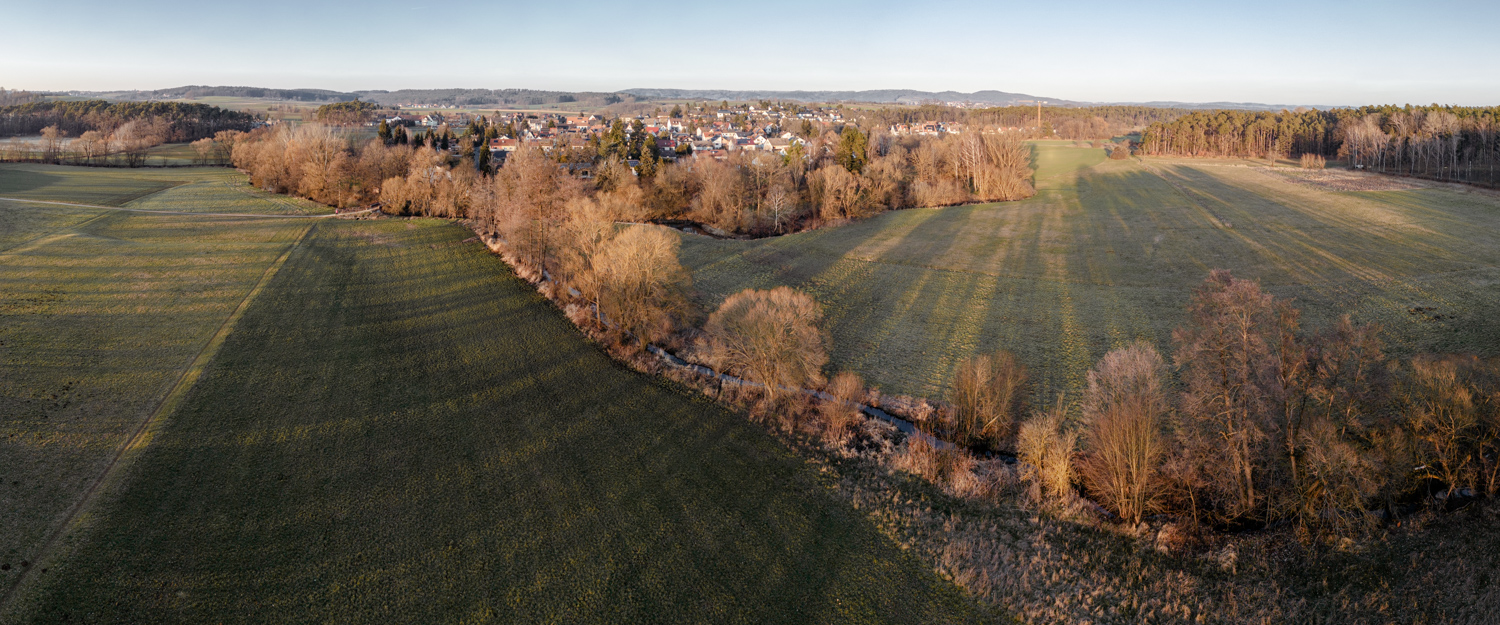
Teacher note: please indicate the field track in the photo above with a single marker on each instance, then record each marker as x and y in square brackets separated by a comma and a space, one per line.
[196, 214]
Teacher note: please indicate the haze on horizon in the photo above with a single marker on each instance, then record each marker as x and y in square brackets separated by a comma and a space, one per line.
[1335, 53]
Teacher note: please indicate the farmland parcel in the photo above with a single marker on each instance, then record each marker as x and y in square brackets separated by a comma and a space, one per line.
[394, 426]
[1109, 251]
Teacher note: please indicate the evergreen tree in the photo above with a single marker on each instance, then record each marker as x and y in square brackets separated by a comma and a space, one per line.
[677, 112]
[851, 149]
[482, 159]
[648, 164]
[384, 132]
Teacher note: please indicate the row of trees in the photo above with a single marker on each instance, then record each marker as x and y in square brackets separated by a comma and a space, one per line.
[837, 176]
[12, 97]
[1460, 144]
[179, 122]
[126, 145]
[346, 113]
[1091, 122]
[1263, 421]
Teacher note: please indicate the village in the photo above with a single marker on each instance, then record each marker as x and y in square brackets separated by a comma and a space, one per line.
[694, 132]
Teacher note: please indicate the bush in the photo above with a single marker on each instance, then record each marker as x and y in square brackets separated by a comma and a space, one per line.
[771, 337]
[1123, 411]
[1313, 161]
[989, 392]
[1047, 452]
[840, 415]
[1452, 403]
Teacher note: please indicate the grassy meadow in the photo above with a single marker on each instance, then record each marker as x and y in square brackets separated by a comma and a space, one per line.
[101, 314]
[393, 427]
[1108, 252]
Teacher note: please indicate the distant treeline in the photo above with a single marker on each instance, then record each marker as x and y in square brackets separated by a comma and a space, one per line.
[204, 91]
[182, 121]
[1093, 122]
[1453, 143]
[491, 97]
[10, 98]
[347, 113]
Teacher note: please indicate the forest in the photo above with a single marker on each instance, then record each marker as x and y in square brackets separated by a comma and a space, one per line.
[1450, 143]
[1091, 122]
[181, 121]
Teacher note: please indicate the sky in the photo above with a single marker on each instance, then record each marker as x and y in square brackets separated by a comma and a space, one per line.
[1312, 52]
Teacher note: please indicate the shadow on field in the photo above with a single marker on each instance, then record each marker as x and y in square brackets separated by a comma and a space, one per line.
[414, 434]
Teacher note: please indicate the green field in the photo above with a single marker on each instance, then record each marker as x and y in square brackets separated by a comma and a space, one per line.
[392, 427]
[101, 313]
[1109, 251]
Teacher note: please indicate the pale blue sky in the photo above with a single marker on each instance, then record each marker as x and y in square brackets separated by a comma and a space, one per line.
[1289, 53]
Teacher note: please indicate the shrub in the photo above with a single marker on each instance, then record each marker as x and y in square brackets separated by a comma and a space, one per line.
[989, 392]
[771, 337]
[1047, 452]
[641, 285]
[952, 469]
[840, 415]
[1122, 412]
[1451, 405]
[1313, 161]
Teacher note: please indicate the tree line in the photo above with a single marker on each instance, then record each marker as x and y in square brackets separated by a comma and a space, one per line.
[13, 97]
[848, 174]
[346, 113]
[1452, 143]
[1091, 122]
[1256, 421]
[179, 121]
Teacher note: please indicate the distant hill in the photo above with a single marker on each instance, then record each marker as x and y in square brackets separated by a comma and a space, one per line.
[202, 91]
[876, 96]
[590, 99]
[490, 97]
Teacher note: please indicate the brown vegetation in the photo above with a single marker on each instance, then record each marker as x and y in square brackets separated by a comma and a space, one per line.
[1124, 411]
[771, 337]
[989, 394]
[1045, 447]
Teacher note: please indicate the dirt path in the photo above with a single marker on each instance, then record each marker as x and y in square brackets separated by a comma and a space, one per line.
[160, 212]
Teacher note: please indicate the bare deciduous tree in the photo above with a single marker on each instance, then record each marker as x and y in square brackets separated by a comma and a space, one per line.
[771, 337]
[1123, 414]
[989, 393]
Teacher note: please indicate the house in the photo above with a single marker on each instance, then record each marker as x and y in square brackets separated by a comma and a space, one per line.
[503, 144]
[432, 120]
[581, 170]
